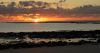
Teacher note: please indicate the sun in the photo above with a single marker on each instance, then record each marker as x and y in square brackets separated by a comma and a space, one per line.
[41, 19]
[36, 20]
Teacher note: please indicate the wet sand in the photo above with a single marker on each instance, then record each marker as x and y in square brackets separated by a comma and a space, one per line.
[60, 49]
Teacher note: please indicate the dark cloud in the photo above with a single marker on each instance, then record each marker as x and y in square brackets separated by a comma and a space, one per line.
[28, 7]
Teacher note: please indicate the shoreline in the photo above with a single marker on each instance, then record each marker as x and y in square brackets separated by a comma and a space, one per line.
[27, 39]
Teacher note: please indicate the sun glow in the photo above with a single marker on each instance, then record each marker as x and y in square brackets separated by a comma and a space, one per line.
[36, 20]
[40, 18]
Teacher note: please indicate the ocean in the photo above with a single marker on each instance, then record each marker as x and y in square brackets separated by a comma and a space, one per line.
[31, 27]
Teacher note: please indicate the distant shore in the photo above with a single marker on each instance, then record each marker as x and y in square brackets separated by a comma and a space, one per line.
[77, 22]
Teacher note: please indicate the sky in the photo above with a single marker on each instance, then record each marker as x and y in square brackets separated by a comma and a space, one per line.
[68, 3]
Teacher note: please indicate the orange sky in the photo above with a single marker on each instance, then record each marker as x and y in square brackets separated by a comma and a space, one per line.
[67, 4]
[45, 19]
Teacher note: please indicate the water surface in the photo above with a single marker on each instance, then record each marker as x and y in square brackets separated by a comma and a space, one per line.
[27, 27]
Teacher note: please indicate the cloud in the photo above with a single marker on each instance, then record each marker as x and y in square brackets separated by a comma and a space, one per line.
[44, 8]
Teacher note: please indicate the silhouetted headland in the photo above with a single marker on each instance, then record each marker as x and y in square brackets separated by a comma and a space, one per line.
[77, 22]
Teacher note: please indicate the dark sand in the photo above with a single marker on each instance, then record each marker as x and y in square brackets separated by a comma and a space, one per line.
[61, 49]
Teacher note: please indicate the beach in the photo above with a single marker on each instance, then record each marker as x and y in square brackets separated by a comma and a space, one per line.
[59, 49]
